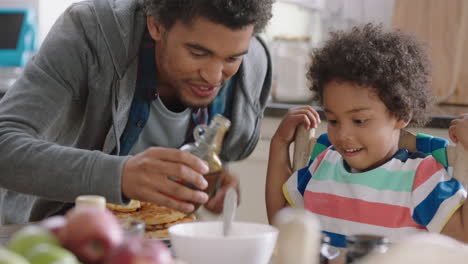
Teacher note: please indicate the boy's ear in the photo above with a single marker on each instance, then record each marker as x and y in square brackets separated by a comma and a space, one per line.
[155, 28]
[401, 123]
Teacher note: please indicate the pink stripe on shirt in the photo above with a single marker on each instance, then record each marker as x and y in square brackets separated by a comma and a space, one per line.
[426, 169]
[360, 211]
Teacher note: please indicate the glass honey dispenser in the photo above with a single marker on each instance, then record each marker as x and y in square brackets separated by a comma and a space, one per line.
[207, 146]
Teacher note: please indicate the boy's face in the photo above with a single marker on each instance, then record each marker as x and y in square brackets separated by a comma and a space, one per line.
[194, 61]
[360, 126]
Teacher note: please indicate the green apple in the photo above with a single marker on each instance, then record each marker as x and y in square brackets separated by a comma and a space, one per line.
[27, 237]
[50, 254]
[10, 257]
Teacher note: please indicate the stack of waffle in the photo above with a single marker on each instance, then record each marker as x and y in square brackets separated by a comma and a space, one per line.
[157, 219]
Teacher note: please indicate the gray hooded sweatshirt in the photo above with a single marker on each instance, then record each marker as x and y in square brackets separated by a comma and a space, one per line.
[63, 117]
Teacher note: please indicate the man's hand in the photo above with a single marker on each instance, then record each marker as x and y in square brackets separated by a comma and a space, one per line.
[145, 177]
[215, 204]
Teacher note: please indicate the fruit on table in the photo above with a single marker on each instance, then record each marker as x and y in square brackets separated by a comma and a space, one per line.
[27, 237]
[50, 254]
[91, 233]
[140, 250]
[54, 224]
[10, 257]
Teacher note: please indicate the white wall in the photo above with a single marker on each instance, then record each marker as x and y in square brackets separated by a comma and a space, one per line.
[313, 19]
[49, 11]
[296, 20]
[362, 11]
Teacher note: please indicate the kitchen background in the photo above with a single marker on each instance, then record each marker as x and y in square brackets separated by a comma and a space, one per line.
[301, 25]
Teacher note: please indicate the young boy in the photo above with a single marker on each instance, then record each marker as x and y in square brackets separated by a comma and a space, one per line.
[371, 84]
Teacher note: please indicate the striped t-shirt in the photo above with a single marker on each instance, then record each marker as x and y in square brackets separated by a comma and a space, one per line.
[410, 193]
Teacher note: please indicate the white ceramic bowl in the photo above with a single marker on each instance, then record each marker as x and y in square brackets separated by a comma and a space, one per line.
[204, 243]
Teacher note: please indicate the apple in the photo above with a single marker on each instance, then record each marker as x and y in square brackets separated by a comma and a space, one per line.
[54, 224]
[140, 250]
[50, 254]
[25, 238]
[10, 257]
[91, 233]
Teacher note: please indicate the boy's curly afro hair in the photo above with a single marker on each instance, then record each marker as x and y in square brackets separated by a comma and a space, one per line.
[393, 64]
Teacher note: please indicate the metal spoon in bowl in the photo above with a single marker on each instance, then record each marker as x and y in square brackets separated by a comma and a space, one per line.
[229, 210]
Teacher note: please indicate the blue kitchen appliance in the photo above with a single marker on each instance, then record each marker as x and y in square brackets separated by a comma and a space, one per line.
[17, 36]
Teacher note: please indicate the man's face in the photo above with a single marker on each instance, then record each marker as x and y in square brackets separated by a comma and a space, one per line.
[195, 60]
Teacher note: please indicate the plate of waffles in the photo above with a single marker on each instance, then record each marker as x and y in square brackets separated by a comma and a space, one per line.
[157, 218]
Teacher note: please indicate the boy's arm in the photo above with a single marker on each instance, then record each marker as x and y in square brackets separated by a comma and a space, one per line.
[439, 199]
[278, 172]
[457, 225]
[279, 164]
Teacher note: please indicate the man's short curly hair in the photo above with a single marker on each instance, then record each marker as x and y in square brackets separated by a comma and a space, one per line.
[392, 63]
[234, 14]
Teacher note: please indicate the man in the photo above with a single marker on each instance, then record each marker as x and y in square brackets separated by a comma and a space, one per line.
[116, 88]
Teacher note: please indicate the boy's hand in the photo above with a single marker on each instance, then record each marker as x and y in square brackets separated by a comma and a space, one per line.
[305, 115]
[458, 131]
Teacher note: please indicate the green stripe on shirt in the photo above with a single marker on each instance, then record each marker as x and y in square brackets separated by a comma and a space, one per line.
[441, 156]
[318, 148]
[376, 178]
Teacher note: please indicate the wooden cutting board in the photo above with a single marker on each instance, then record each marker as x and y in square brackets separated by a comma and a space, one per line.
[444, 25]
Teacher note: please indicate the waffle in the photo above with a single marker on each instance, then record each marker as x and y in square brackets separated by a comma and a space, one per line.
[157, 219]
[130, 207]
[153, 214]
